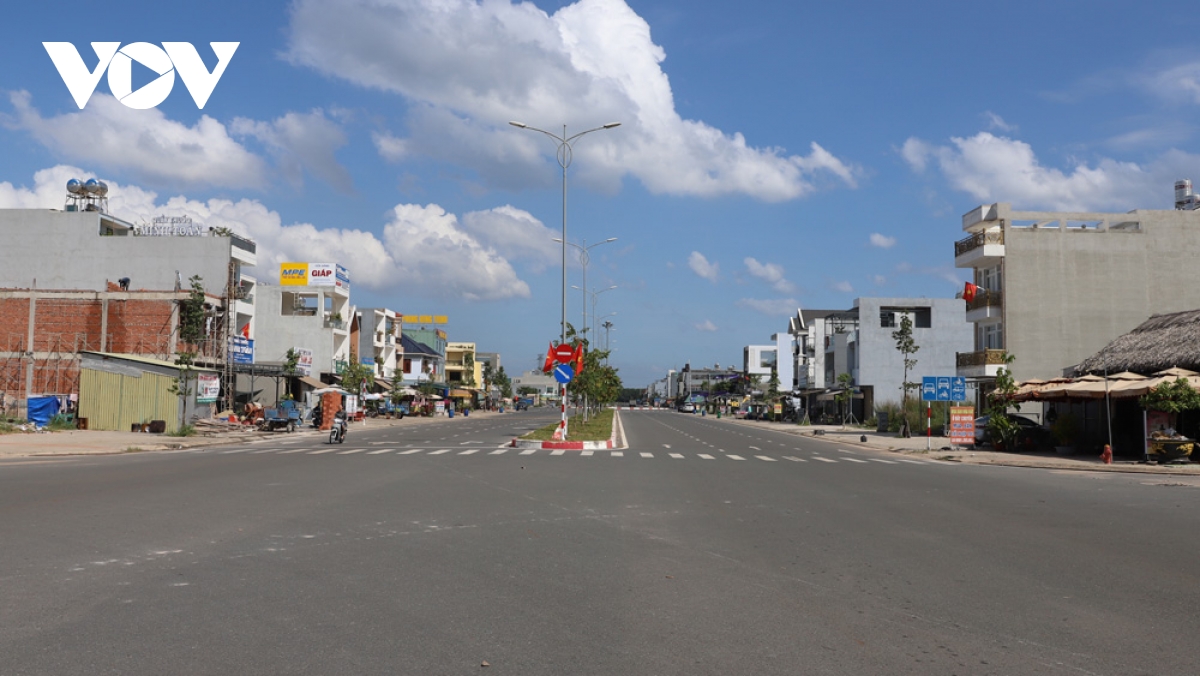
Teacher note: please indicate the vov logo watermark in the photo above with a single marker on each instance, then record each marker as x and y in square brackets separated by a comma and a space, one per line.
[167, 60]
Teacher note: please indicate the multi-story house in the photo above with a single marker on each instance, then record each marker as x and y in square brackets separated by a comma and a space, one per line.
[462, 369]
[378, 341]
[1056, 287]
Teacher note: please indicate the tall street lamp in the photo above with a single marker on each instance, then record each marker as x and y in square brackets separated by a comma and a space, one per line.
[584, 259]
[564, 156]
[593, 294]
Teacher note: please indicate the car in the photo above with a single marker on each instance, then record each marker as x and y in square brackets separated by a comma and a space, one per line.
[1030, 434]
[687, 408]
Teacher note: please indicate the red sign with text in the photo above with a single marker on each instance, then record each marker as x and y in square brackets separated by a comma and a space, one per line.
[962, 425]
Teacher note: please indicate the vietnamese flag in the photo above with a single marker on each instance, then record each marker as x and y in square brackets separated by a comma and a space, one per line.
[969, 292]
[578, 358]
[549, 364]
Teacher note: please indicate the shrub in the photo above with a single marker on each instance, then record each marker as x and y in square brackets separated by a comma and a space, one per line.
[185, 431]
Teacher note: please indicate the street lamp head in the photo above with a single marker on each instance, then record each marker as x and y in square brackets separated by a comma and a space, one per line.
[520, 125]
[610, 239]
[610, 125]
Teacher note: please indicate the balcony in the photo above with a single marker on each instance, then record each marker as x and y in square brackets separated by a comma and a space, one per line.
[336, 324]
[986, 306]
[984, 363]
[979, 249]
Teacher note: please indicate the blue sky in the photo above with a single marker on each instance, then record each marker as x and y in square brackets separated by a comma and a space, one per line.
[771, 154]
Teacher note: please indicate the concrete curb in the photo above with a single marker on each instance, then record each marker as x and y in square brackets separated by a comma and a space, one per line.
[607, 444]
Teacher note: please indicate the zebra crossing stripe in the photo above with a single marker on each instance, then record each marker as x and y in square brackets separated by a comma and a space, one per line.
[469, 452]
[439, 451]
[382, 450]
[294, 450]
[557, 452]
[618, 454]
[499, 451]
[646, 455]
[794, 459]
[677, 456]
[236, 450]
[734, 457]
[886, 462]
[705, 456]
[912, 462]
[322, 451]
[410, 451]
[817, 457]
[855, 460]
[587, 452]
[269, 450]
[352, 451]
[530, 451]
[766, 457]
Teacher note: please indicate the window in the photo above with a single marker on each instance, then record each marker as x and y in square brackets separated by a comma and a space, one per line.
[923, 318]
[408, 366]
[887, 319]
[989, 278]
[992, 336]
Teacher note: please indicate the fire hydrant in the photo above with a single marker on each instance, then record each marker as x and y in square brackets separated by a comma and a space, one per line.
[1106, 456]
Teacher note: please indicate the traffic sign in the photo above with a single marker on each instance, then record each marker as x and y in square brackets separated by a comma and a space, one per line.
[929, 388]
[958, 389]
[943, 388]
[563, 373]
[564, 353]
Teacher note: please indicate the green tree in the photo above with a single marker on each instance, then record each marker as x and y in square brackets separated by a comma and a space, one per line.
[907, 346]
[291, 360]
[844, 396]
[191, 338]
[489, 378]
[469, 369]
[504, 383]
[356, 374]
[1002, 428]
[1172, 397]
[772, 395]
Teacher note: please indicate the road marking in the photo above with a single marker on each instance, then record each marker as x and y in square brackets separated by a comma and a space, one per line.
[351, 451]
[855, 460]
[236, 450]
[705, 456]
[886, 462]
[677, 456]
[618, 454]
[469, 451]
[294, 450]
[912, 462]
[269, 450]
[411, 451]
[382, 450]
[557, 452]
[499, 451]
[817, 457]
[327, 450]
[766, 457]
[587, 453]
[439, 451]
[646, 455]
[793, 459]
[666, 445]
[529, 452]
[734, 457]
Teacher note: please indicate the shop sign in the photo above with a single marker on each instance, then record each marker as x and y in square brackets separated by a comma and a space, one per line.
[293, 274]
[208, 388]
[342, 277]
[321, 274]
[169, 226]
[962, 425]
[241, 350]
[304, 361]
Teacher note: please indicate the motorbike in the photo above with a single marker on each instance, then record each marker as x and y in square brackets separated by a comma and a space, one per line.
[337, 433]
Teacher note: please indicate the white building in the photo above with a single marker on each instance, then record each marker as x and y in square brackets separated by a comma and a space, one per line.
[308, 312]
[378, 341]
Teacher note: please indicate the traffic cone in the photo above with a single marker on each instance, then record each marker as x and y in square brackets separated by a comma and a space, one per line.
[1106, 456]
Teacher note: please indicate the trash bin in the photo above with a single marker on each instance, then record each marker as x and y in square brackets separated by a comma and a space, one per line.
[450, 412]
[881, 417]
[466, 412]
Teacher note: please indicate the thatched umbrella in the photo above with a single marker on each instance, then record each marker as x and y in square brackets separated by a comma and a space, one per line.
[1161, 342]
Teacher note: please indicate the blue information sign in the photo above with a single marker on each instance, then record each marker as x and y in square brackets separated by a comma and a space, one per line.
[943, 388]
[563, 373]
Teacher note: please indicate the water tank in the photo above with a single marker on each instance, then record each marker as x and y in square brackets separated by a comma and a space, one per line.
[1183, 192]
[75, 186]
[92, 186]
[101, 188]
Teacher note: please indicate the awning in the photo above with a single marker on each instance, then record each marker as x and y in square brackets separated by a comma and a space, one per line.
[461, 393]
[312, 382]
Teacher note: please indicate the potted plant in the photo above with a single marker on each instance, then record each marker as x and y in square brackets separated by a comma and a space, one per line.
[1065, 432]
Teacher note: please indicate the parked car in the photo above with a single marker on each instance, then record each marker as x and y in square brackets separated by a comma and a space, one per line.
[1030, 434]
[687, 408]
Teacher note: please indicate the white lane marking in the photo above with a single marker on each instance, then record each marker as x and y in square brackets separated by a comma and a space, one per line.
[557, 452]
[817, 457]
[587, 452]
[855, 460]
[734, 457]
[766, 457]
[677, 456]
[382, 450]
[236, 450]
[294, 450]
[269, 450]
[755, 448]
[794, 459]
[530, 451]
[469, 452]
[912, 462]
[666, 445]
[705, 456]
[411, 451]
[439, 451]
[499, 451]
[351, 451]
[886, 462]
[646, 455]
[327, 450]
[618, 454]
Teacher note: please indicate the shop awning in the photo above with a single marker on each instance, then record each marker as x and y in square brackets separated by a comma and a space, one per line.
[312, 382]
[461, 393]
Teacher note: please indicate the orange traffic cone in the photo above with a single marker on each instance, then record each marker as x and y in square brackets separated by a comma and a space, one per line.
[1106, 456]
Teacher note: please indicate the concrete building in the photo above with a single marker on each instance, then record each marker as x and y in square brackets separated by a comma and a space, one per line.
[546, 387]
[759, 360]
[434, 339]
[1056, 287]
[379, 341]
[462, 368]
[419, 363]
[304, 317]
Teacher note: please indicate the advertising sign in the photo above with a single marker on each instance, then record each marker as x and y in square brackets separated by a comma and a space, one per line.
[208, 388]
[293, 274]
[305, 362]
[322, 274]
[241, 350]
[342, 277]
[962, 425]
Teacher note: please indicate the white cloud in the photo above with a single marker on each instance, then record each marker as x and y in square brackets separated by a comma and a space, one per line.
[844, 287]
[998, 169]
[882, 241]
[879, 280]
[770, 273]
[468, 67]
[515, 234]
[997, 122]
[706, 325]
[422, 250]
[158, 150]
[301, 141]
[1180, 82]
[700, 265]
[771, 306]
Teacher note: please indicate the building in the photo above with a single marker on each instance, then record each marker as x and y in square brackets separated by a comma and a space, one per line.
[462, 368]
[420, 363]
[433, 339]
[544, 386]
[1056, 287]
[308, 316]
[119, 391]
[379, 341]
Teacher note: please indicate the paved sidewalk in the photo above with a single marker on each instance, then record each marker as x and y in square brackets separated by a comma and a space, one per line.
[942, 450]
[95, 442]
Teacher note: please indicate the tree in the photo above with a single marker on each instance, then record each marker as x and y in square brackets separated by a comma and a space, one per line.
[504, 383]
[489, 379]
[772, 394]
[1171, 397]
[356, 374]
[469, 369]
[290, 361]
[907, 346]
[1002, 428]
[845, 395]
[191, 337]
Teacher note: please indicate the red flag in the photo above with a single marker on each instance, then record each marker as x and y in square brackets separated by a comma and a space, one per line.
[549, 364]
[246, 331]
[969, 292]
[578, 360]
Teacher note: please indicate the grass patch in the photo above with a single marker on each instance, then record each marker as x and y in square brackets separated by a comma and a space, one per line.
[7, 427]
[60, 423]
[599, 428]
[185, 431]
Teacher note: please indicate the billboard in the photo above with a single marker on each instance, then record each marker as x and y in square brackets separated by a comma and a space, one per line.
[293, 274]
[241, 349]
[321, 274]
[304, 361]
[341, 277]
[208, 387]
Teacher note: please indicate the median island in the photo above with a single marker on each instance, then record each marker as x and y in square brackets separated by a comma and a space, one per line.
[598, 428]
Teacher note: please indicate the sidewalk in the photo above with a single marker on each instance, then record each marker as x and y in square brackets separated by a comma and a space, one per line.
[94, 442]
[942, 450]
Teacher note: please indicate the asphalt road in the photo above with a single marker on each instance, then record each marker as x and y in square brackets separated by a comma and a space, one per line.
[706, 547]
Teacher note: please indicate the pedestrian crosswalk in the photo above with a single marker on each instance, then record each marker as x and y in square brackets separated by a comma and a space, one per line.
[674, 454]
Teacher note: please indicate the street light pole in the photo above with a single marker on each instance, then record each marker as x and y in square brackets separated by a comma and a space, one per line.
[564, 156]
[584, 259]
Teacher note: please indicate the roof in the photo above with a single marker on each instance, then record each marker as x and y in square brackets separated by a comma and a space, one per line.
[140, 359]
[1159, 343]
[413, 347]
[312, 382]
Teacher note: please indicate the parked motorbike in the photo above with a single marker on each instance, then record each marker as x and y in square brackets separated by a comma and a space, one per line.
[337, 433]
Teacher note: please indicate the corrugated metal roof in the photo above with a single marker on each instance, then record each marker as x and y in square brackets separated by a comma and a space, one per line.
[146, 360]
